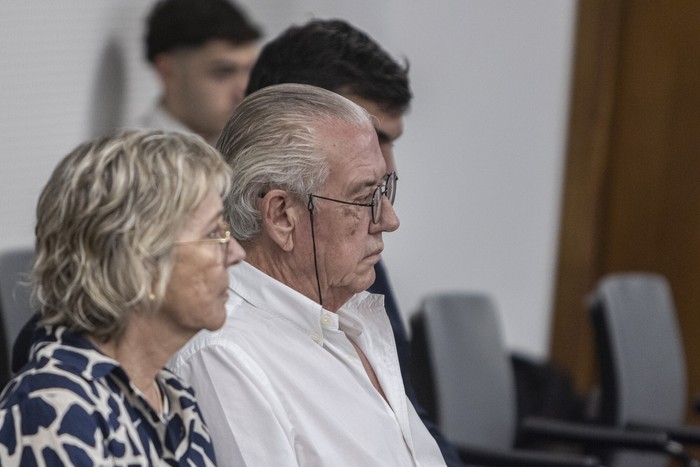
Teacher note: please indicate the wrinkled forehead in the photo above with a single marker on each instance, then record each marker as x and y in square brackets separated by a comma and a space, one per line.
[352, 152]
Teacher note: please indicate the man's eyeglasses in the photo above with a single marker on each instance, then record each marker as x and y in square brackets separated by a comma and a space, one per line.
[221, 236]
[387, 188]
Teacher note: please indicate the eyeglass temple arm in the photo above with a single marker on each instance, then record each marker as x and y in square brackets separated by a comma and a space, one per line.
[313, 243]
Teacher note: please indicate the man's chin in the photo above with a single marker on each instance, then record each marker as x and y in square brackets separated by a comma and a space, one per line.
[368, 279]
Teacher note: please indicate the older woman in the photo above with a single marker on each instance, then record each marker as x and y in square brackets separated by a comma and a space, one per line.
[132, 254]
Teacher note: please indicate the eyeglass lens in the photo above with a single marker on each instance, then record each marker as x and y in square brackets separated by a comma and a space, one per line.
[388, 189]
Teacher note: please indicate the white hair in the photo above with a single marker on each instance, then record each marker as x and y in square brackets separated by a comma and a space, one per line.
[271, 142]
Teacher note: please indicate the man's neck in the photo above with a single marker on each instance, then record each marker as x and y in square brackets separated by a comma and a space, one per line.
[300, 277]
[173, 115]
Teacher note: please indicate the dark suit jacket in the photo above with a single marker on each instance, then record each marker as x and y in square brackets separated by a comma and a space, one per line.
[381, 286]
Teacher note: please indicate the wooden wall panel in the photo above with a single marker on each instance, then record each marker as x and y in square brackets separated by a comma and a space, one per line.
[632, 196]
[590, 124]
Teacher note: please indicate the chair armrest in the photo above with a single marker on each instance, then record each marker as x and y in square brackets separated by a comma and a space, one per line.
[600, 436]
[684, 434]
[518, 458]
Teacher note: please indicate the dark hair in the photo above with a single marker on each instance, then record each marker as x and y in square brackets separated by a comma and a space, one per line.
[334, 55]
[174, 24]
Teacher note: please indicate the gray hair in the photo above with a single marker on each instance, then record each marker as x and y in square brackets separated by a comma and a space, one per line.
[271, 142]
[107, 220]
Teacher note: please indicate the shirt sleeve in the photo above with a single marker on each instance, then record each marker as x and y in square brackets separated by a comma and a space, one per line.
[246, 418]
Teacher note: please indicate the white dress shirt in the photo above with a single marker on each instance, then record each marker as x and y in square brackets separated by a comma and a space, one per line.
[282, 385]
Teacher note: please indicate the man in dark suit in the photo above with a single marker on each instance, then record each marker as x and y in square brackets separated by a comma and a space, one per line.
[336, 56]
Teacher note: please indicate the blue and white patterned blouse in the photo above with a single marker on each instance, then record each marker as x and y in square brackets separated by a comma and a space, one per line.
[72, 405]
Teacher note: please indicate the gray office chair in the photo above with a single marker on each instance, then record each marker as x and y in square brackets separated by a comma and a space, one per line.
[641, 358]
[464, 377]
[15, 306]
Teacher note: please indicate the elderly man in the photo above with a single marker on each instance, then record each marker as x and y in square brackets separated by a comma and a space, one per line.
[305, 370]
[337, 56]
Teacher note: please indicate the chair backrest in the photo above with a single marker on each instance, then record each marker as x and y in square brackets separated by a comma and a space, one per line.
[642, 360]
[474, 392]
[15, 305]
[640, 352]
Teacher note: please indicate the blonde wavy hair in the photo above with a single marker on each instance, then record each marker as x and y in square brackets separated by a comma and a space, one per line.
[106, 223]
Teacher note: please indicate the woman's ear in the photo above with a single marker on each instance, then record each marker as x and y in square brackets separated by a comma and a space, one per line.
[279, 212]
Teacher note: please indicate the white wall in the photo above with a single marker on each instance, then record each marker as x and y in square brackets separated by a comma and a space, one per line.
[480, 161]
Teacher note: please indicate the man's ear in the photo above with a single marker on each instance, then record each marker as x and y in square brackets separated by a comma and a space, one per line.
[280, 212]
[164, 64]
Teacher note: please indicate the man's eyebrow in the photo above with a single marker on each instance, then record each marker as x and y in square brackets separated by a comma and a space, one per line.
[362, 186]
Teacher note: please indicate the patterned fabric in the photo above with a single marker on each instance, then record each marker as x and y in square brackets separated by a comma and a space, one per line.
[72, 405]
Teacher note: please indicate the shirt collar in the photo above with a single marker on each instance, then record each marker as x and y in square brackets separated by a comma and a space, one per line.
[266, 293]
[73, 351]
[76, 354]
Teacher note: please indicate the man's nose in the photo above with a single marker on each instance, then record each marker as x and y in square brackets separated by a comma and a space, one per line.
[389, 220]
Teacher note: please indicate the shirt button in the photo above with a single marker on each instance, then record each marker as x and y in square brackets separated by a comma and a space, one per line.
[316, 336]
[325, 320]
